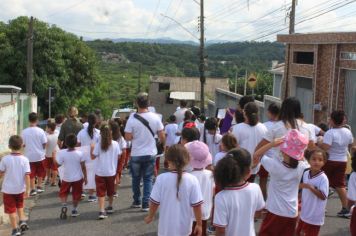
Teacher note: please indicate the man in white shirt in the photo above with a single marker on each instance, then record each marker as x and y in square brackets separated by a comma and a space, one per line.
[179, 114]
[141, 129]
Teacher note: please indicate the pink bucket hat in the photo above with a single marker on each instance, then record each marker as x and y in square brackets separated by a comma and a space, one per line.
[294, 144]
[200, 156]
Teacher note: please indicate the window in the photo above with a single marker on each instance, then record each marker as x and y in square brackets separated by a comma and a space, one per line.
[163, 87]
[304, 58]
[348, 56]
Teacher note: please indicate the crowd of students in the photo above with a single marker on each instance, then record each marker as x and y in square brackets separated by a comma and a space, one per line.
[211, 166]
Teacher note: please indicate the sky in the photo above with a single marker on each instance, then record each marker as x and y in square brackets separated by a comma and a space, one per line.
[231, 20]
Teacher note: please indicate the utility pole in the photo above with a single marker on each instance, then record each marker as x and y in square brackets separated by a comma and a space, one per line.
[29, 57]
[202, 57]
[292, 18]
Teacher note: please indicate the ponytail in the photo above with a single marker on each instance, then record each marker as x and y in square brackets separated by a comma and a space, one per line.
[91, 126]
[251, 112]
[106, 137]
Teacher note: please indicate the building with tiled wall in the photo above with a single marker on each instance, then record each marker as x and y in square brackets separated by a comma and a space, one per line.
[320, 69]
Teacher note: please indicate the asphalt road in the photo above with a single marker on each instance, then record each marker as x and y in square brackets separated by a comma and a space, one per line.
[44, 218]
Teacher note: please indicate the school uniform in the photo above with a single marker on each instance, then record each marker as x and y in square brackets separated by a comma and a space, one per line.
[351, 196]
[120, 164]
[213, 141]
[335, 168]
[235, 208]
[282, 201]
[313, 208]
[106, 168]
[218, 157]
[72, 174]
[34, 138]
[175, 212]
[51, 147]
[16, 167]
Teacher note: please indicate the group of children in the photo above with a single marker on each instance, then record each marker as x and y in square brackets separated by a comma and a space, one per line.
[209, 180]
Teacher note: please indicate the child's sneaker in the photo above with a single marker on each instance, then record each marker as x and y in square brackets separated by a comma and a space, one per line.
[102, 215]
[145, 209]
[75, 213]
[92, 199]
[134, 205]
[116, 195]
[344, 213]
[109, 210]
[63, 215]
[23, 225]
[33, 192]
[40, 190]
[16, 232]
[211, 230]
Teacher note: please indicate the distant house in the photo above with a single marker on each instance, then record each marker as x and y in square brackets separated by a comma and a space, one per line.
[320, 70]
[166, 92]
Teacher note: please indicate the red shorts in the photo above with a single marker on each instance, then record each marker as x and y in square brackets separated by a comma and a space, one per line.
[105, 186]
[77, 189]
[37, 170]
[305, 229]
[335, 171]
[262, 173]
[12, 202]
[49, 163]
[274, 225]
[353, 223]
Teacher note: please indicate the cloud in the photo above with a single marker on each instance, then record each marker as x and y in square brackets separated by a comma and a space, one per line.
[225, 19]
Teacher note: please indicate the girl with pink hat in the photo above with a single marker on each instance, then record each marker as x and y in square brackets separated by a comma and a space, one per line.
[286, 172]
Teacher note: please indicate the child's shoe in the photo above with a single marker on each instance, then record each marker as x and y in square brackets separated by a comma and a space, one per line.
[344, 213]
[109, 210]
[40, 190]
[211, 230]
[63, 214]
[92, 199]
[75, 213]
[102, 215]
[33, 192]
[16, 232]
[23, 225]
[116, 195]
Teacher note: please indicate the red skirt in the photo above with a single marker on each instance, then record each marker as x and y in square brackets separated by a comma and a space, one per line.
[274, 225]
[353, 223]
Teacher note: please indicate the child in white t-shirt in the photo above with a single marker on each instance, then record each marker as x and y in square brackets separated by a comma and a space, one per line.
[34, 139]
[285, 176]
[238, 202]
[211, 136]
[15, 168]
[315, 187]
[176, 193]
[73, 175]
[200, 158]
[228, 142]
[106, 153]
[351, 194]
[171, 131]
[51, 150]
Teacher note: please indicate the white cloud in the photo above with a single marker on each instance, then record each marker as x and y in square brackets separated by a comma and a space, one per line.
[225, 19]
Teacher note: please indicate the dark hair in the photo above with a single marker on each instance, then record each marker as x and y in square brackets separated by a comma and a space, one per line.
[59, 119]
[106, 137]
[91, 125]
[188, 115]
[353, 160]
[190, 134]
[239, 117]
[71, 140]
[15, 142]
[172, 119]
[142, 100]
[309, 153]
[202, 117]
[179, 156]
[32, 117]
[51, 126]
[196, 111]
[324, 127]
[183, 103]
[115, 130]
[293, 163]
[231, 169]
[210, 124]
[274, 109]
[338, 117]
[290, 111]
[229, 141]
[251, 112]
[244, 100]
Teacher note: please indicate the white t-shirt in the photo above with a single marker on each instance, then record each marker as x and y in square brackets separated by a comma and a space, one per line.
[351, 190]
[269, 125]
[207, 185]
[52, 146]
[283, 186]
[143, 143]
[249, 136]
[85, 140]
[235, 209]
[312, 130]
[15, 166]
[172, 138]
[313, 208]
[71, 164]
[213, 142]
[34, 138]
[106, 164]
[122, 143]
[339, 139]
[218, 157]
[175, 214]
[179, 114]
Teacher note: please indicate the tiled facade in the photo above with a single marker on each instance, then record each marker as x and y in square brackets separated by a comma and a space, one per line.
[327, 71]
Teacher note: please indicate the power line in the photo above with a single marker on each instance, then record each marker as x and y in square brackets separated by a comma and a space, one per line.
[166, 12]
[67, 8]
[174, 15]
[153, 17]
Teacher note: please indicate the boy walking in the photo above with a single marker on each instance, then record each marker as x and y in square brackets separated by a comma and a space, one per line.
[74, 175]
[16, 185]
[34, 139]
